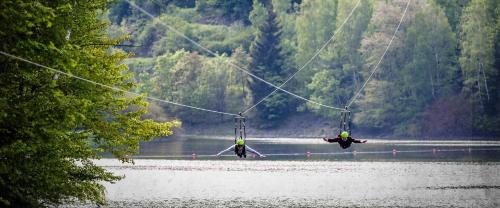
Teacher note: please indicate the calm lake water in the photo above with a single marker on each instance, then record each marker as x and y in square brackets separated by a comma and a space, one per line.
[309, 173]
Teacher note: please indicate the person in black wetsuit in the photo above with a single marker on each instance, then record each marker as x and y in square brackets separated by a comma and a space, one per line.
[344, 140]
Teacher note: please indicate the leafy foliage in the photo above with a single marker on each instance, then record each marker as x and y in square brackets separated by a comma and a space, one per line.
[479, 32]
[196, 80]
[53, 126]
[433, 59]
[339, 66]
[230, 10]
[453, 11]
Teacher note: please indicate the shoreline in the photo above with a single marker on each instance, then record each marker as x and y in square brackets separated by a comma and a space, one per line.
[378, 138]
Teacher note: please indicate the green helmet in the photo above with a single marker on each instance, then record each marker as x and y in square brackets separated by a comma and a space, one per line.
[344, 134]
[240, 141]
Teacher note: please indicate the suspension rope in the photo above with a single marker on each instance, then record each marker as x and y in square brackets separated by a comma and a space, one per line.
[310, 60]
[113, 88]
[382, 57]
[345, 121]
[215, 54]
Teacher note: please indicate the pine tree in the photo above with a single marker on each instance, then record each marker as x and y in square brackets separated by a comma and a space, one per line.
[267, 63]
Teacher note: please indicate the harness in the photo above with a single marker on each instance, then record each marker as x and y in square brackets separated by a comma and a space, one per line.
[239, 128]
[345, 121]
[239, 132]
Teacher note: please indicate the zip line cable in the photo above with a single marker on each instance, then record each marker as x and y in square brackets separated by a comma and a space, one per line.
[215, 54]
[230, 63]
[380, 60]
[310, 60]
[111, 87]
[202, 109]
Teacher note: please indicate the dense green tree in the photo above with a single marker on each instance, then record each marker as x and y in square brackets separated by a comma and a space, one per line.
[315, 24]
[424, 71]
[156, 39]
[479, 34]
[52, 125]
[420, 75]
[180, 84]
[453, 11]
[223, 39]
[258, 15]
[340, 63]
[375, 109]
[143, 71]
[118, 11]
[287, 14]
[195, 80]
[431, 72]
[229, 10]
[238, 95]
[267, 63]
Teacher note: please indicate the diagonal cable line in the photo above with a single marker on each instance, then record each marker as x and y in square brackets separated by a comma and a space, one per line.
[381, 58]
[111, 87]
[310, 60]
[215, 54]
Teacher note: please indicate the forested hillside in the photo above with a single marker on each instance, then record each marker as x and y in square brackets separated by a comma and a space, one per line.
[440, 76]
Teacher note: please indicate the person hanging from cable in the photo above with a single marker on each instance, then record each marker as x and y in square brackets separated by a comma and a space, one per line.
[239, 146]
[240, 149]
[343, 138]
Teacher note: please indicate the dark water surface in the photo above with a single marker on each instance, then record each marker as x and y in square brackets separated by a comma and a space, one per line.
[377, 174]
[317, 149]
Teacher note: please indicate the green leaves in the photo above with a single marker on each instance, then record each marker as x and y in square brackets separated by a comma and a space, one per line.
[195, 80]
[479, 61]
[333, 77]
[440, 52]
[48, 119]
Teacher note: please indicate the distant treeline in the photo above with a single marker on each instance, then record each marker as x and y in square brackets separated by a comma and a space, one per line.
[439, 77]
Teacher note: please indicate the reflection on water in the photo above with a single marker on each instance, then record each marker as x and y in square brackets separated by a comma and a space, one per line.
[423, 174]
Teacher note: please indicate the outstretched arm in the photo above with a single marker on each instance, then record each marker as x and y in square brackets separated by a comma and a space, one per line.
[331, 140]
[357, 141]
[254, 151]
[226, 150]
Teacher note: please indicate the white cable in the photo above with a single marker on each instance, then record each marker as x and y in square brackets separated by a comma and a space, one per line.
[215, 54]
[113, 88]
[310, 60]
[382, 57]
